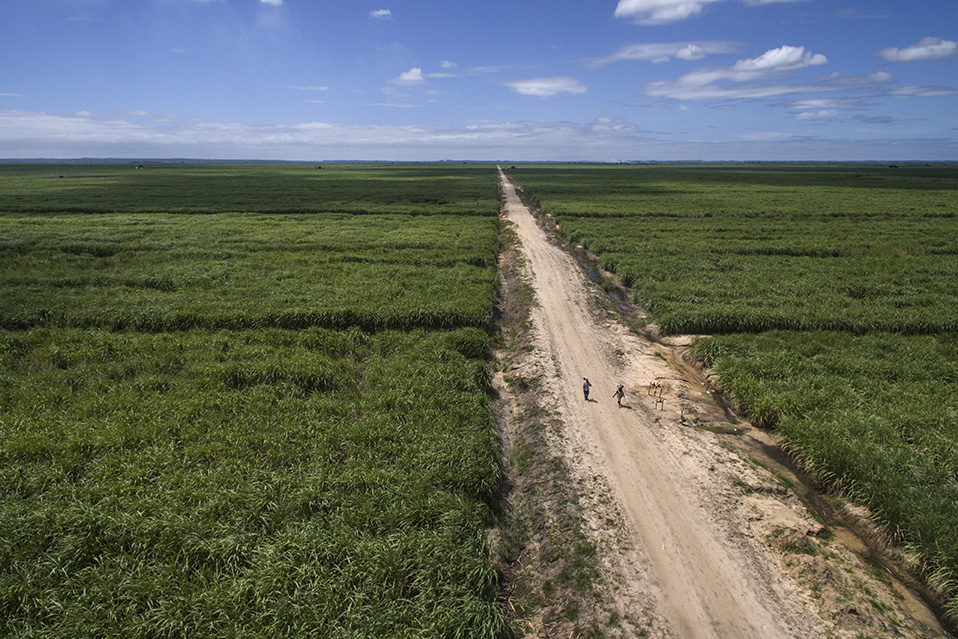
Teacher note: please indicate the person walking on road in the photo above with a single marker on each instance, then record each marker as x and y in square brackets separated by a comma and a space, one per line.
[619, 394]
[586, 385]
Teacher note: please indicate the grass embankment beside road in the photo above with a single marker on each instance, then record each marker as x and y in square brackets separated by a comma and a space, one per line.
[833, 295]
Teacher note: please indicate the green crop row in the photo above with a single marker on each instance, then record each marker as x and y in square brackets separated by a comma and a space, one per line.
[172, 272]
[709, 275]
[748, 191]
[255, 483]
[267, 188]
[735, 249]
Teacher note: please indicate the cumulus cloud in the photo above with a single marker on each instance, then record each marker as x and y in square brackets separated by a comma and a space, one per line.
[660, 11]
[701, 84]
[665, 51]
[743, 76]
[446, 64]
[547, 87]
[275, 3]
[785, 58]
[665, 11]
[411, 77]
[927, 49]
[381, 14]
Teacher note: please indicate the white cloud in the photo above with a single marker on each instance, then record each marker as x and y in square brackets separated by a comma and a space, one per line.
[665, 11]
[679, 90]
[446, 64]
[777, 60]
[275, 3]
[381, 14]
[547, 87]
[824, 114]
[26, 134]
[744, 76]
[297, 87]
[927, 49]
[665, 51]
[660, 11]
[409, 78]
[924, 91]
[826, 104]
[612, 125]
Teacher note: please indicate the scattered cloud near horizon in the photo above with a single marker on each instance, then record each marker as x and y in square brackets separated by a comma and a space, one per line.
[608, 139]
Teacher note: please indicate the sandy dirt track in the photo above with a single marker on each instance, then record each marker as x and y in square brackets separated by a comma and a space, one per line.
[699, 514]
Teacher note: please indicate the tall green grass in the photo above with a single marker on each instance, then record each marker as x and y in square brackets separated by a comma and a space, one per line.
[173, 272]
[874, 415]
[750, 249]
[228, 412]
[270, 483]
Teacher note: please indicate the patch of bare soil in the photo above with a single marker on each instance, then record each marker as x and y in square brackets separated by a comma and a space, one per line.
[667, 516]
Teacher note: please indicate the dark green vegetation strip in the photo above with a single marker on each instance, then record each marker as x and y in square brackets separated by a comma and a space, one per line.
[836, 289]
[246, 423]
[710, 249]
[269, 188]
[169, 272]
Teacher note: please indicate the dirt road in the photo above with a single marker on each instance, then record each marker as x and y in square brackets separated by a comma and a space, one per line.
[700, 515]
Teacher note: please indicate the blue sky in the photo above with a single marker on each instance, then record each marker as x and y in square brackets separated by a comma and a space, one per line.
[602, 80]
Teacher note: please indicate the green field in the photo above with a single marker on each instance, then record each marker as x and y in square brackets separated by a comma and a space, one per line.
[246, 401]
[251, 400]
[247, 270]
[261, 188]
[832, 293]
